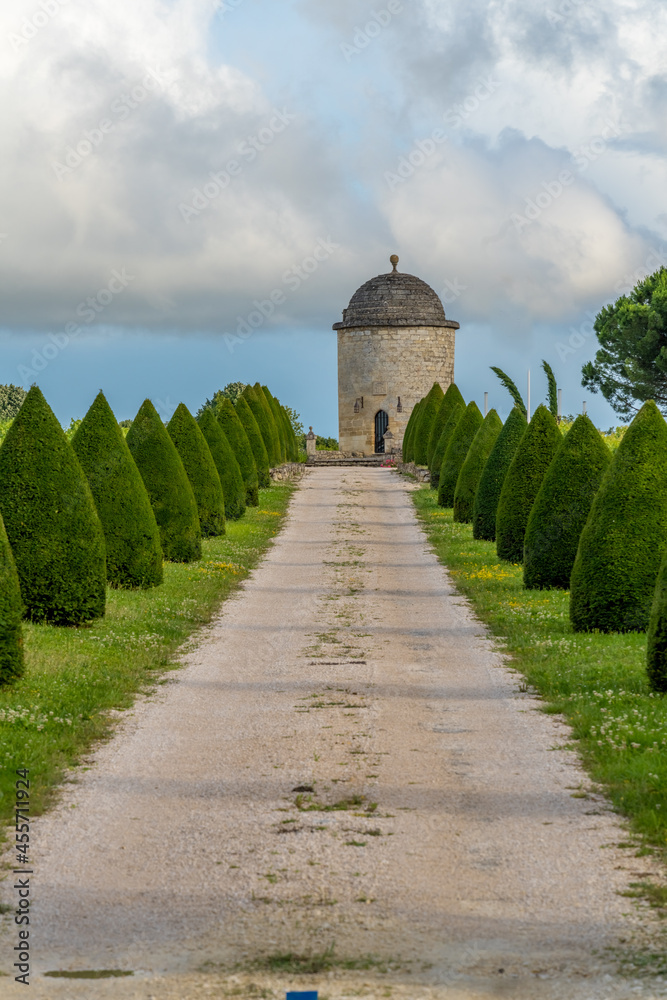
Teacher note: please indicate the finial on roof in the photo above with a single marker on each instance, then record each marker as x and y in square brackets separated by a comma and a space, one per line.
[393, 260]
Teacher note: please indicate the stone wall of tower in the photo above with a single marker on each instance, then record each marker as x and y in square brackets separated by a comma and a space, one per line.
[382, 364]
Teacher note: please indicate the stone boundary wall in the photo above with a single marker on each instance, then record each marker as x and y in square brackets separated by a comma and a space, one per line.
[291, 470]
[420, 472]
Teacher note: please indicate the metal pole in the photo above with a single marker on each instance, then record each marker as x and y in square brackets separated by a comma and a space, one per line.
[528, 407]
[560, 405]
[486, 403]
[584, 409]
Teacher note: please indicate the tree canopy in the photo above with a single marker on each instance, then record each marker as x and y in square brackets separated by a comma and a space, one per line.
[631, 363]
[11, 400]
[232, 391]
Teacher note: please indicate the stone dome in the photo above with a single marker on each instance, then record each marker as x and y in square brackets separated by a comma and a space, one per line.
[394, 299]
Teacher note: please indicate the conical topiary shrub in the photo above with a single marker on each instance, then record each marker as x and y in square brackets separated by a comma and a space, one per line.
[491, 482]
[251, 427]
[275, 412]
[201, 470]
[616, 567]
[293, 446]
[407, 434]
[134, 553]
[52, 525]
[275, 434]
[449, 400]
[167, 484]
[409, 428]
[264, 418]
[457, 451]
[423, 426]
[11, 612]
[656, 640]
[228, 468]
[264, 422]
[443, 442]
[290, 437]
[473, 466]
[524, 477]
[240, 445]
[562, 506]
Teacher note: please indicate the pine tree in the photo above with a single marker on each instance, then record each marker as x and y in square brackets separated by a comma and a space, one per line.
[238, 439]
[251, 427]
[52, 525]
[11, 611]
[457, 450]
[443, 442]
[201, 470]
[616, 567]
[451, 397]
[493, 476]
[228, 468]
[562, 506]
[473, 466]
[167, 484]
[131, 534]
[524, 477]
[427, 415]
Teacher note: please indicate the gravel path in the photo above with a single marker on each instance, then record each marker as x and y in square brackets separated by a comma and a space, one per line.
[444, 833]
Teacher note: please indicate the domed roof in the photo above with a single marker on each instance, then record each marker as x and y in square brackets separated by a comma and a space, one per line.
[394, 299]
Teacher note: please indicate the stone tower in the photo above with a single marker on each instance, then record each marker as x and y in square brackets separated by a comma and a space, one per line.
[394, 342]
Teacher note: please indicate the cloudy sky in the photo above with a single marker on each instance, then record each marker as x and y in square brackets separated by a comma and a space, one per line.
[193, 189]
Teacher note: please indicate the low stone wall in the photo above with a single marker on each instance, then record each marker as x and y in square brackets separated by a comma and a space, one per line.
[420, 472]
[291, 470]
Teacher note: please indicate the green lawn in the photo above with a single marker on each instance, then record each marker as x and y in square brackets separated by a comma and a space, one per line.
[75, 676]
[598, 682]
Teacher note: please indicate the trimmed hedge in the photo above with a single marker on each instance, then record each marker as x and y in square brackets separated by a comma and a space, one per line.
[522, 483]
[50, 518]
[264, 417]
[168, 486]
[443, 442]
[409, 432]
[290, 436]
[656, 640]
[12, 663]
[238, 439]
[412, 426]
[201, 470]
[457, 450]
[423, 426]
[491, 482]
[618, 559]
[562, 506]
[251, 427]
[451, 397]
[273, 427]
[280, 427]
[134, 552]
[228, 468]
[264, 422]
[473, 466]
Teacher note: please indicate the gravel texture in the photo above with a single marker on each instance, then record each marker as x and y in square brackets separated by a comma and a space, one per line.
[445, 833]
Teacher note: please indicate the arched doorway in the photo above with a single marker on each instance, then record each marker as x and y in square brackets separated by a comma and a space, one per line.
[381, 424]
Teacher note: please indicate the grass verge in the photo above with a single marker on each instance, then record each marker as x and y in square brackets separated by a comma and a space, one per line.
[596, 681]
[77, 677]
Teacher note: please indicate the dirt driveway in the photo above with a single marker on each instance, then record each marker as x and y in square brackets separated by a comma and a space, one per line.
[342, 770]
